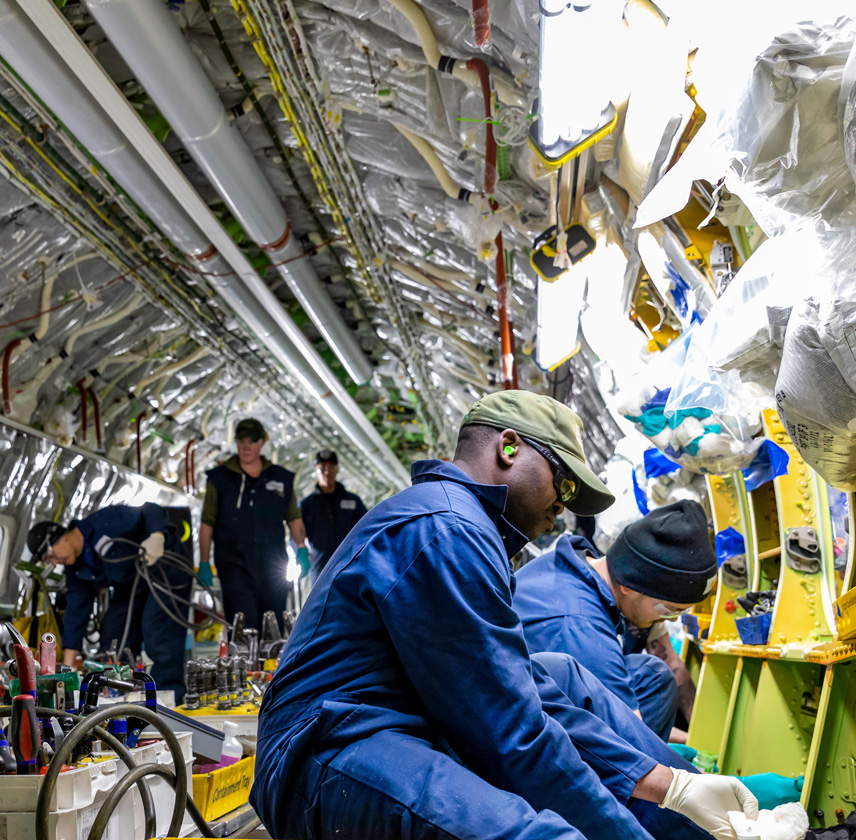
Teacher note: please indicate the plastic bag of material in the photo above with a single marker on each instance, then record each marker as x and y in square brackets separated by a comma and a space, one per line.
[781, 139]
[702, 439]
[734, 359]
[816, 388]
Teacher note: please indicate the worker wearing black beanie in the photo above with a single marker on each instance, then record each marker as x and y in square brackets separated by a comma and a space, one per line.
[572, 601]
[666, 555]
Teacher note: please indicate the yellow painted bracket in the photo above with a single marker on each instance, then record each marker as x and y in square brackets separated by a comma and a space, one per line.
[802, 616]
[730, 505]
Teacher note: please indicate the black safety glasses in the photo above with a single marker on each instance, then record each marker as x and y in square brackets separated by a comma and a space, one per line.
[566, 487]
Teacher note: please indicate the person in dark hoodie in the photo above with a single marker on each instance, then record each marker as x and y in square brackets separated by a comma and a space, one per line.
[248, 500]
[329, 512]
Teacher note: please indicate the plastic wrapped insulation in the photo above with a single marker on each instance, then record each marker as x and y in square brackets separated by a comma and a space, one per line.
[703, 439]
[781, 139]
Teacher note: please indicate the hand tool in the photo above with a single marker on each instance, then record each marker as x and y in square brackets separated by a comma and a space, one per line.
[47, 654]
[223, 702]
[192, 682]
[8, 765]
[24, 662]
[25, 734]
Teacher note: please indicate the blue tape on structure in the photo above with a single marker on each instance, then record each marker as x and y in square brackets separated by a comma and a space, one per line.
[728, 543]
[640, 495]
[769, 462]
[657, 464]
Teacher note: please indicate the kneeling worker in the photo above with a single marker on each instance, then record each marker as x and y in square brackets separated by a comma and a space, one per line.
[572, 601]
[406, 703]
[101, 551]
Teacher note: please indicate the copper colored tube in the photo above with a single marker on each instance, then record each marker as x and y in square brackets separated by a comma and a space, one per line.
[481, 68]
[481, 22]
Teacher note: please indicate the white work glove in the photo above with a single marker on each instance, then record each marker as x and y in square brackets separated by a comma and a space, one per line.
[706, 800]
[152, 547]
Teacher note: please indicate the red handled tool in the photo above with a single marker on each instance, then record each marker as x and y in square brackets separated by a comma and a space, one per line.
[24, 662]
[25, 734]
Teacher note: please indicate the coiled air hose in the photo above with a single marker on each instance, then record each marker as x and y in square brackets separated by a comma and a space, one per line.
[135, 776]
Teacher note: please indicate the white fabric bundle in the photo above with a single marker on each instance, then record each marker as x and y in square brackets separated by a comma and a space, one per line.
[784, 822]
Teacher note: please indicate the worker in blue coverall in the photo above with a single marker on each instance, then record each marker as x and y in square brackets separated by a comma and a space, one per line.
[572, 600]
[101, 551]
[248, 501]
[329, 512]
[406, 704]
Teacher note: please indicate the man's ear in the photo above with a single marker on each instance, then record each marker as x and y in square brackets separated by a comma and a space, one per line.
[509, 444]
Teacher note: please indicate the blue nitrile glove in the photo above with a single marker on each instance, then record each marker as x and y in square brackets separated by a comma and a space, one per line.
[771, 789]
[203, 573]
[685, 752]
[303, 560]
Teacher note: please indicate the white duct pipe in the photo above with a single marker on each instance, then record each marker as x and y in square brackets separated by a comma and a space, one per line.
[260, 310]
[108, 320]
[22, 48]
[431, 50]
[210, 383]
[172, 367]
[154, 48]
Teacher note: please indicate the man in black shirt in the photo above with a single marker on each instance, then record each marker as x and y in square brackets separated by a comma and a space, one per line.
[330, 512]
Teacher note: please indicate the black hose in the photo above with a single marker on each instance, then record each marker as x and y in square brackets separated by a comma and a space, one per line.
[114, 744]
[124, 784]
[87, 726]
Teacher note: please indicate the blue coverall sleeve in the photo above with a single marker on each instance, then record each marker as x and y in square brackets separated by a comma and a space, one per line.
[598, 649]
[80, 595]
[463, 649]
[154, 518]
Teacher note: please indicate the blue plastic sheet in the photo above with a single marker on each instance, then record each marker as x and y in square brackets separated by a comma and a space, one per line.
[770, 461]
[680, 289]
[640, 495]
[659, 399]
[728, 543]
[657, 464]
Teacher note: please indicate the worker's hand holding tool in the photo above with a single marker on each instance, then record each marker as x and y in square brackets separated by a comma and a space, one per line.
[203, 573]
[303, 560]
[706, 800]
[152, 547]
[771, 789]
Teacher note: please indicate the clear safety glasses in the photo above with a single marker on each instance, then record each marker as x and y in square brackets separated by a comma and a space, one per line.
[668, 613]
[565, 486]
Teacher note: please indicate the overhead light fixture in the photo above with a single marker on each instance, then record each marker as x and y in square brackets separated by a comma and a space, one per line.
[559, 306]
[573, 110]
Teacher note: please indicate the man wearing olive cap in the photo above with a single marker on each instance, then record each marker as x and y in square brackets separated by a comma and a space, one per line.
[406, 704]
[571, 600]
[248, 501]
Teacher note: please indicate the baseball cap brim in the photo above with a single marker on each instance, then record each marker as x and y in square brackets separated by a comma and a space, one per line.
[593, 496]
